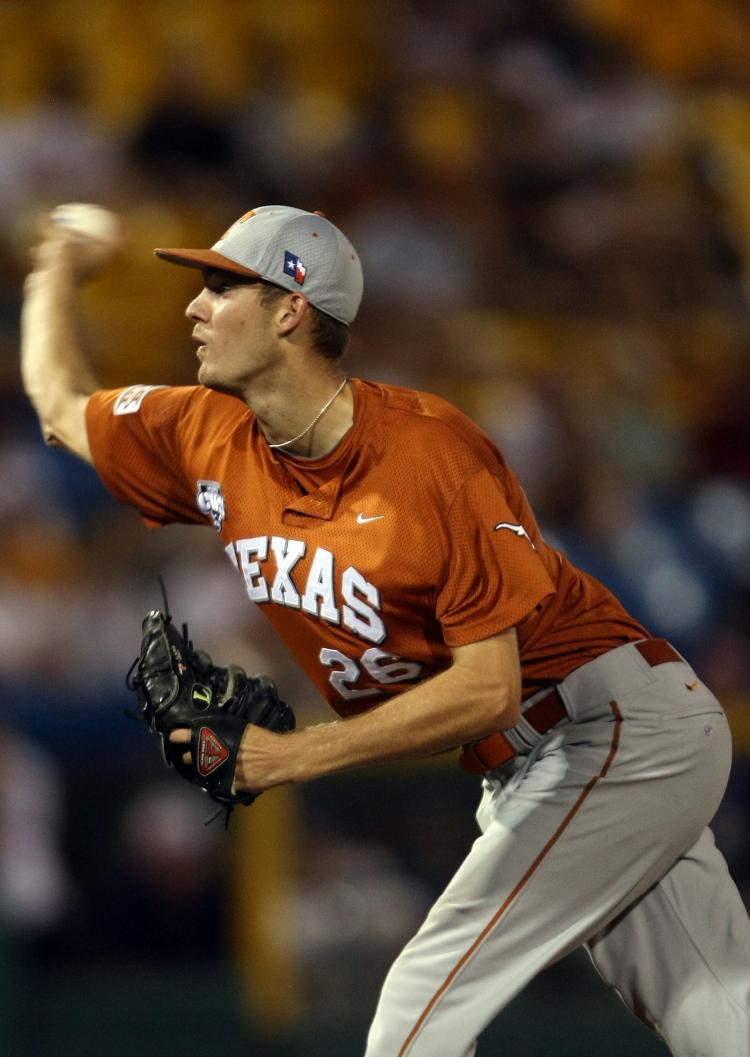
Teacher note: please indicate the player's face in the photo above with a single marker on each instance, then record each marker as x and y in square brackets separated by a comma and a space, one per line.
[233, 329]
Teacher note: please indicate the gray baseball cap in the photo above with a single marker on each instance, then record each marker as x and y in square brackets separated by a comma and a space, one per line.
[299, 251]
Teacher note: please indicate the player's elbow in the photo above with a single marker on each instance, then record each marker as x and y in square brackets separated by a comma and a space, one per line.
[491, 671]
[44, 413]
[508, 710]
[495, 699]
[63, 422]
[501, 701]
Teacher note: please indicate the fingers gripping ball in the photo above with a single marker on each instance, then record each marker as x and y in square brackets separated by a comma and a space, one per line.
[178, 686]
[97, 233]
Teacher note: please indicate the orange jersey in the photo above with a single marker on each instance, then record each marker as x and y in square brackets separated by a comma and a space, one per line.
[411, 537]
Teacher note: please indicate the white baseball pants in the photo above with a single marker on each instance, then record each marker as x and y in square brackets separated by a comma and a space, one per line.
[596, 835]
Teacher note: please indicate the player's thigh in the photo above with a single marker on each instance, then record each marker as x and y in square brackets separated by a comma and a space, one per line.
[592, 823]
[571, 839]
[680, 957]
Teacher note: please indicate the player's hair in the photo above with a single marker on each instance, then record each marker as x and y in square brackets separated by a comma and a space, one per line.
[329, 336]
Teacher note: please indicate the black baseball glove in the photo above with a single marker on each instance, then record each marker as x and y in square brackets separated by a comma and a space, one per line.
[179, 686]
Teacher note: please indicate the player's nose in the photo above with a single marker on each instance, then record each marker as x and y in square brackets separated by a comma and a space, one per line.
[197, 310]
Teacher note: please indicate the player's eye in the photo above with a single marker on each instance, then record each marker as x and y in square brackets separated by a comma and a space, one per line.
[217, 282]
[224, 282]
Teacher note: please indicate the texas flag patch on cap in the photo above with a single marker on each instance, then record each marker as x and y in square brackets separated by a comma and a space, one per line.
[293, 266]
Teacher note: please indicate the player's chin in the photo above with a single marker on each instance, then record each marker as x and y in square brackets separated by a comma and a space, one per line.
[210, 379]
[208, 376]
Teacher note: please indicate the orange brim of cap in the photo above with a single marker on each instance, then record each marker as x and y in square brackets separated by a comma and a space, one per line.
[205, 259]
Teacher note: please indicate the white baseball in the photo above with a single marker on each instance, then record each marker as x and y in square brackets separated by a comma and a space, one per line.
[99, 231]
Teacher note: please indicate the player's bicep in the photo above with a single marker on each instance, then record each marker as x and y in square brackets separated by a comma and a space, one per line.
[138, 436]
[67, 427]
[494, 576]
[491, 668]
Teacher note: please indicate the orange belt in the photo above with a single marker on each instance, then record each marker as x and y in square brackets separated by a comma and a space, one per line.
[495, 750]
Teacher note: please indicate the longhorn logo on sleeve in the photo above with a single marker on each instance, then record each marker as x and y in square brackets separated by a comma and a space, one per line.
[212, 752]
[519, 530]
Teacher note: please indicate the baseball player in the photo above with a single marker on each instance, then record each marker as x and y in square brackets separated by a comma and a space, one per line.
[384, 537]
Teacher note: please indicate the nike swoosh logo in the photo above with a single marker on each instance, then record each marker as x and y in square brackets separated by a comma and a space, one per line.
[362, 520]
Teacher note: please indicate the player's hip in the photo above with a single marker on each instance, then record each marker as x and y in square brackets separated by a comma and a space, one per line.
[648, 683]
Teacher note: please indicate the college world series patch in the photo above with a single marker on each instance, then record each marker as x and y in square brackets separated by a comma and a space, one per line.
[210, 501]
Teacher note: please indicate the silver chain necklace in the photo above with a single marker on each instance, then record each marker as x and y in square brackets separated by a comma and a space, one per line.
[324, 408]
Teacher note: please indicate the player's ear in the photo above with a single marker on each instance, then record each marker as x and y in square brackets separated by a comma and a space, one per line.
[291, 313]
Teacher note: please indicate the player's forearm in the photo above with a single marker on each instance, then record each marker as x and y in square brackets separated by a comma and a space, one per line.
[435, 716]
[56, 375]
[461, 704]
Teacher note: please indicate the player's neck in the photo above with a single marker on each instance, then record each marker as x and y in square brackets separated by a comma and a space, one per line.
[307, 419]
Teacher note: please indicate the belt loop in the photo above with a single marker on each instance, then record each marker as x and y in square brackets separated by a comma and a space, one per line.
[657, 651]
[486, 754]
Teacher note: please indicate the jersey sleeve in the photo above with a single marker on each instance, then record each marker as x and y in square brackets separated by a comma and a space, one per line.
[134, 435]
[493, 577]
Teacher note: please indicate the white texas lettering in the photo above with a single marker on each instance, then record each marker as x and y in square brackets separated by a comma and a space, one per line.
[319, 588]
[287, 553]
[360, 598]
[257, 589]
[360, 617]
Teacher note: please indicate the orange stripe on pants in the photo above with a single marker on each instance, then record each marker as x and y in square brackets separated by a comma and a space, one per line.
[521, 884]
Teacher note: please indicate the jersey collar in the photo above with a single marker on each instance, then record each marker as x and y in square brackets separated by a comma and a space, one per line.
[331, 470]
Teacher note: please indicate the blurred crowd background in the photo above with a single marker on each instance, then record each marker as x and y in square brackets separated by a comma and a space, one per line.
[551, 199]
